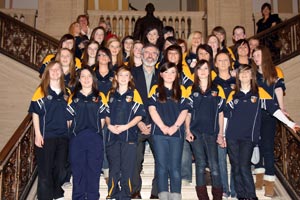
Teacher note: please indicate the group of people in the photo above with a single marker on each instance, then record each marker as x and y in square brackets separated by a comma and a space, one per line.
[102, 99]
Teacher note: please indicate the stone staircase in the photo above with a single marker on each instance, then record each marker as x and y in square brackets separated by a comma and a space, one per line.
[188, 191]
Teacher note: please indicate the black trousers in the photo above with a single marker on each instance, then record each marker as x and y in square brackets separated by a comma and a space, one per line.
[136, 179]
[51, 163]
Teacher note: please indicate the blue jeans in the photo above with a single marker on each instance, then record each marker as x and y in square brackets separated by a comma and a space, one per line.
[240, 153]
[168, 154]
[266, 144]
[222, 154]
[186, 162]
[205, 148]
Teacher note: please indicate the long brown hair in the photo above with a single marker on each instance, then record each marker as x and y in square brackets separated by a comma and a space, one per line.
[254, 86]
[72, 71]
[267, 66]
[45, 83]
[115, 84]
[197, 80]
[131, 57]
[85, 58]
[176, 96]
[78, 85]
[119, 56]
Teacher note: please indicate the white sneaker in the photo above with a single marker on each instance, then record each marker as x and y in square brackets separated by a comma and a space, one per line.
[185, 182]
[66, 185]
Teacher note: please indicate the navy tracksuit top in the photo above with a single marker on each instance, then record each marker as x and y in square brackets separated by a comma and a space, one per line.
[205, 110]
[52, 112]
[121, 110]
[86, 112]
[245, 114]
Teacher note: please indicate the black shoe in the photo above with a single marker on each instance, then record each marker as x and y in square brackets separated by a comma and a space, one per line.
[136, 195]
[153, 197]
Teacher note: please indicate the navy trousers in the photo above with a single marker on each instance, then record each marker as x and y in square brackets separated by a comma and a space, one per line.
[86, 157]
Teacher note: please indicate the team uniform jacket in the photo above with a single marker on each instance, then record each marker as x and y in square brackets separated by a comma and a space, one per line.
[245, 114]
[104, 83]
[52, 112]
[86, 112]
[168, 111]
[271, 88]
[205, 109]
[121, 110]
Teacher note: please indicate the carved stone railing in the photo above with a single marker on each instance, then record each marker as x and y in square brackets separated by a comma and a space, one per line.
[17, 164]
[287, 159]
[122, 22]
[283, 40]
[24, 43]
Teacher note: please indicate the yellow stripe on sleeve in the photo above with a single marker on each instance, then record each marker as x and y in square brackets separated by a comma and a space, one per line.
[221, 92]
[230, 97]
[137, 97]
[77, 63]
[48, 58]
[186, 71]
[104, 100]
[70, 99]
[152, 91]
[189, 91]
[279, 72]
[38, 94]
[263, 94]
[184, 93]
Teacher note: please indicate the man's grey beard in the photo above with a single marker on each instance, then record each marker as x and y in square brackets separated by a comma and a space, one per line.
[149, 64]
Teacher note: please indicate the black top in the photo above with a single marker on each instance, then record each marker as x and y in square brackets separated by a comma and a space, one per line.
[261, 25]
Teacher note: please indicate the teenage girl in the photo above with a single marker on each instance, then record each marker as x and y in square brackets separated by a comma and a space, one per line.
[125, 111]
[66, 59]
[214, 43]
[135, 58]
[127, 45]
[227, 82]
[204, 128]
[86, 109]
[168, 108]
[80, 40]
[90, 54]
[99, 35]
[66, 41]
[272, 81]
[103, 70]
[48, 108]
[245, 104]
[114, 45]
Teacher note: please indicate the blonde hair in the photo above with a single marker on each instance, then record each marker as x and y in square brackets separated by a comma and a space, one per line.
[189, 40]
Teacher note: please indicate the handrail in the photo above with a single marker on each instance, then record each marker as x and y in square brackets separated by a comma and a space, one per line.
[287, 159]
[17, 163]
[24, 43]
[282, 39]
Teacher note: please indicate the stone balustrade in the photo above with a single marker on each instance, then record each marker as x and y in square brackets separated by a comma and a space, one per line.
[122, 22]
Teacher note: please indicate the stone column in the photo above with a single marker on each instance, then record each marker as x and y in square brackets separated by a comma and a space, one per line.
[55, 16]
[229, 13]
